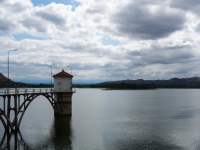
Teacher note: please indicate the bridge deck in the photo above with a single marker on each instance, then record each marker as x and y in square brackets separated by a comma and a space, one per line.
[16, 91]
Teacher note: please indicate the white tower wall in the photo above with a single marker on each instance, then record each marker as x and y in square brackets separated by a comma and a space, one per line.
[62, 83]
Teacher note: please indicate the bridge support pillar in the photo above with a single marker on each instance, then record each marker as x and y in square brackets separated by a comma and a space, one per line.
[8, 111]
[15, 123]
[64, 103]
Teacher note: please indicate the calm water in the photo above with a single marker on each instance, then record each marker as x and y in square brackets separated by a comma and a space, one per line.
[119, 120]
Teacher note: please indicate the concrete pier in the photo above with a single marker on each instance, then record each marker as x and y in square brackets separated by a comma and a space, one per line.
[64, 102]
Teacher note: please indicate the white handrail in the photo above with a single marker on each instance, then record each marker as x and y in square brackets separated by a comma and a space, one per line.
[29, 91]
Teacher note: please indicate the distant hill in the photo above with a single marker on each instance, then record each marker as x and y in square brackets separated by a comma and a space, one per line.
[4, 83]
[3, 79]
[193, 82]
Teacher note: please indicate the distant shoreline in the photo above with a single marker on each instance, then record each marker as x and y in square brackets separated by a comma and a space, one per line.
[129, 89]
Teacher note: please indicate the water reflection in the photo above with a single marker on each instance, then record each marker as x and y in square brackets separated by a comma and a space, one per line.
[59, 137]
[12, 140]
[61, 133]
[148, 144]
[187, 114]
[140, 135]
[162, 119]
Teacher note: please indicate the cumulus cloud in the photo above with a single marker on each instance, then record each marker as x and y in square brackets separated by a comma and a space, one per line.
[148, 22]
[187, 5]
[35, 25]
[51, 17]
[6, 25]
[155, 39]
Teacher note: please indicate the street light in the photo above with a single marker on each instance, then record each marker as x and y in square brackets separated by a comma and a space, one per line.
[51, 77]
[71, 69]
[8, 64]
[71, 74]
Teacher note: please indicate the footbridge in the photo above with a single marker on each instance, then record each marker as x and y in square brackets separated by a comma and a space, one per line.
[18, 100]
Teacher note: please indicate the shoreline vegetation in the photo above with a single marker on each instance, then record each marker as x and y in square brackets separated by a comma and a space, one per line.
[138, 84]
[121, 86]
[105, 87]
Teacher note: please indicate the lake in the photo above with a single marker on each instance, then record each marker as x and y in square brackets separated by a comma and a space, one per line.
[113, 119]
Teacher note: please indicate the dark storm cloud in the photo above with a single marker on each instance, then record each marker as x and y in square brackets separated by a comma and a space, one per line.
[197, 28]
[95, 10]
[90, 48]
[142, 23]
[190, 5]
[6, 26]
[170, 57]
[86, 66]
[135, 53]
[161, 55]
[17, 7]
[180, 70]
[34, 24]
[29, 69]
[55, 19]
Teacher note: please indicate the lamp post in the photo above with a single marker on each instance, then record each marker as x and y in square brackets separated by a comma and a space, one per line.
[51, 77]
[8, 64]
[71, 69]
[71, 74]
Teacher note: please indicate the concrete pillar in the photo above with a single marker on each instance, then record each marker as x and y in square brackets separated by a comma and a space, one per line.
[8, 111]
[16, 113]
[64, 102]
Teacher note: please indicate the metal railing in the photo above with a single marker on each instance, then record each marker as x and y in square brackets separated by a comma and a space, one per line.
[30, 91]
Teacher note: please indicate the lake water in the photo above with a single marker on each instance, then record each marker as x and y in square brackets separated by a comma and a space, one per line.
[113, 120]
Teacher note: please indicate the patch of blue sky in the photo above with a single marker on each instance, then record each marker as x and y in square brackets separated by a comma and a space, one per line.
[5, 52]
[1, 34]
[108, 41]
[23, 36]
[98, 34]
[73, 3]
[78, 25]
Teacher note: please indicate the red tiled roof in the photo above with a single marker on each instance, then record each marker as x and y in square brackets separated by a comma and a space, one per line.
[62, 74]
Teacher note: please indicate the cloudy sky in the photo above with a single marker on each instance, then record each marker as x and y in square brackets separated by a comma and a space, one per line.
[100, 40]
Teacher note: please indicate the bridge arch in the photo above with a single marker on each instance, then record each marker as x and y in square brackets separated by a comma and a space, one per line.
[4, 119]
[31, 98]
[21, 109]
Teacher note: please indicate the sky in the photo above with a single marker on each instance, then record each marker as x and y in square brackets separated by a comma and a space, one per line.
[100, 40]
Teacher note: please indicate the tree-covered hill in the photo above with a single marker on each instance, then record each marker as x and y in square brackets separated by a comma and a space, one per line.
[193, 82]
[5, 83]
